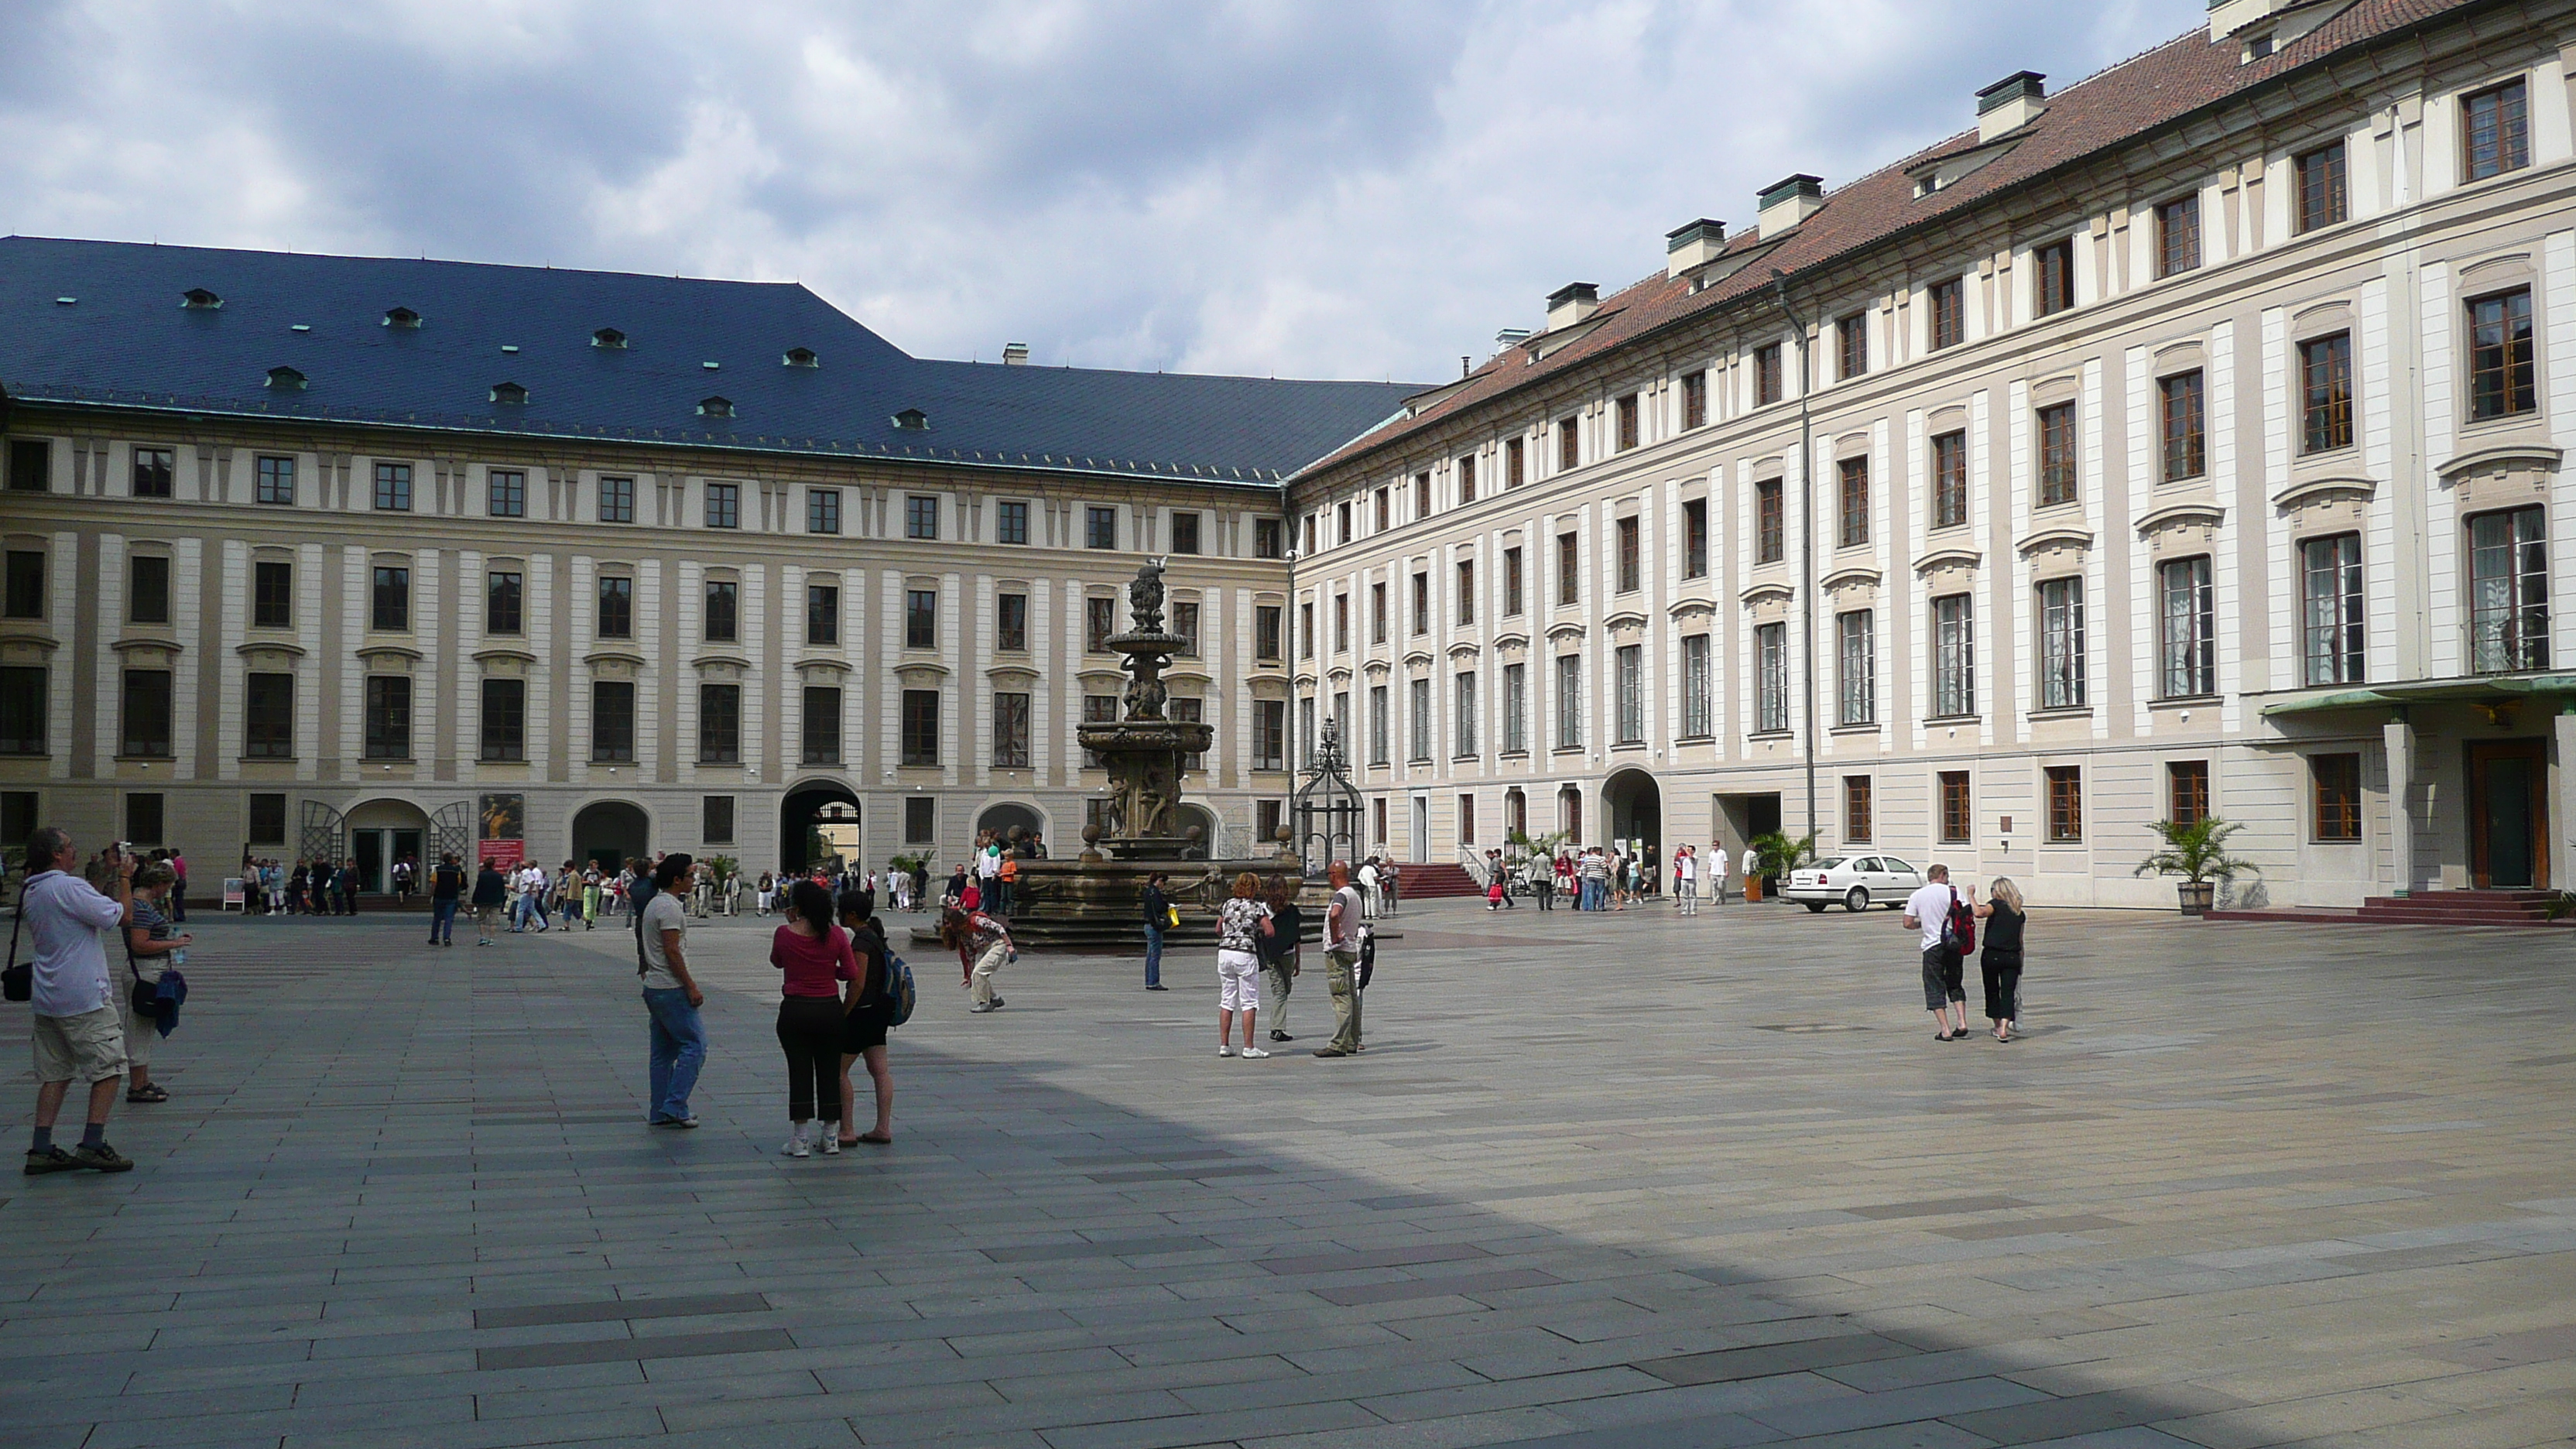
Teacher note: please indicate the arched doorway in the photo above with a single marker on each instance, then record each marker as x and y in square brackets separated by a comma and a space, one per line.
[1015, 821]
[817, 821]
[611, 832]
[1198, 815]
[1635, 807]
[382, 832]
[1569, 816]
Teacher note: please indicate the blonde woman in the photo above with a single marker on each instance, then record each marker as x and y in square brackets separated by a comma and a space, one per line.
[1241, 923]
[1999, 960]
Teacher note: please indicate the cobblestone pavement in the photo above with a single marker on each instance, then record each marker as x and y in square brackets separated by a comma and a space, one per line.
[1600, 1180]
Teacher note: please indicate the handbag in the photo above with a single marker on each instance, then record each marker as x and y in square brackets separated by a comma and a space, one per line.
[18, 983]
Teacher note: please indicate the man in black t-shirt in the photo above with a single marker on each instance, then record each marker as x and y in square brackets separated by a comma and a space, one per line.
[446, 888]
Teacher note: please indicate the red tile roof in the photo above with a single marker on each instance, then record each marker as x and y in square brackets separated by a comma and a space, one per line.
[2117, 106]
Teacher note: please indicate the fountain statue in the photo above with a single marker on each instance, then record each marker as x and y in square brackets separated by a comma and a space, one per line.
[1146, 754]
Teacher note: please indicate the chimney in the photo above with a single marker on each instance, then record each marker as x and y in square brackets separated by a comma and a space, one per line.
[1510, 337]
[1693, 244]
[2010, 104]
[1015, 354]
[1787, 202]
[1572, 303]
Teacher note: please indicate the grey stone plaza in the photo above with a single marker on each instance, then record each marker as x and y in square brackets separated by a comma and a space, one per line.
[1617, 1179]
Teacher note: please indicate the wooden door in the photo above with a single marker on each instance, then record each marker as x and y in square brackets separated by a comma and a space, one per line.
[2509, 814]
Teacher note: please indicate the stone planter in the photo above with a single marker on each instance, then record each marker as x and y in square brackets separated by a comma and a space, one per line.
[2196, 896]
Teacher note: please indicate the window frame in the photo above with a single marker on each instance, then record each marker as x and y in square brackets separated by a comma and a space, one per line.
[1949, 478]
[920, 744]
[273, 480]
[1856, 666]
[2062, 643]
[1770, 382]
[2508, 385]
[389, 598]
[504, 605]
[505, 499]
[272, 607]
[1699, 716]
[1954, 656]
[1859, 805]
[2335, 806]
[2064, 808]
[1011, 623]
[823, 510]
[1946, 314]
[2178, 235]
[819, 720]
[612, 731]
[2182, 426]
[2186, 791]
[152, 472]
[26, 710]
[614, 604]
[2510, 143]
[616, 499]
[2333, 621]
[1771, 676]
[2321, 191]
[1011, 729]
[823, 606]
[392, 487]
[2186, 629]
[2052, 277]
[1851, 345]
[1852, 520]
[720, 613]
[1956, 794]
[719, 722]
[2518, 640]
[920, 618]
[1631, 548]
[387, 718]
[2326, 421]
[921, 517]
[1770, 520]
[1100, 528]
[501, 734]
[140, 595]
[2061, 473]
[268, 723]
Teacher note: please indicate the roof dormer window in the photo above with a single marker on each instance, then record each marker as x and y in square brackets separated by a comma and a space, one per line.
[198, 299]
[912, 420]
[286, 379]
[401, 317]
[802, 357]
[715, 407]
[510, 393]
[608, 337]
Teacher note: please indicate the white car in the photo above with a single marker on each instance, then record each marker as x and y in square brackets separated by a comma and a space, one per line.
[1858, 881]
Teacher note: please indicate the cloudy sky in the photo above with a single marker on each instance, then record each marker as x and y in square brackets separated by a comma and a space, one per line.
[1337, 188]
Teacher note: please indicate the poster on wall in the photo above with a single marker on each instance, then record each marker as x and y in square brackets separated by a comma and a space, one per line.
[504, 830]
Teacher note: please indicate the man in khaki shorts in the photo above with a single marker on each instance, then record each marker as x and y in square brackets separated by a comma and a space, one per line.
[1342, 960]
[77, 1032]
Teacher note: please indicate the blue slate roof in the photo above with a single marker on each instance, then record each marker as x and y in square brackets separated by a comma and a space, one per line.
[126, 339]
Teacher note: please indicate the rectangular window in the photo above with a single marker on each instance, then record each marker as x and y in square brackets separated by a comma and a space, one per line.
[724, 505]
[2187, 650]
[24, 714]
[2058, 479]
[266, 824]
[388, 722]
[2065, 804]
[1466, 592]
[1421, 701]
[1270, 734]
[1268, 620]
[26, 588]
[2330, 609]
[1100, 620]
[1185, 627]
[1511, 583]
[1630, 664]
[1771, 677]
[31, 462]
[1694, 399]
[2178, 235]
[390, 603]
[504, 726]
[2052, 277]
[1569, 701]
[617, 500]
[1267, 817]
[612, 721]
[268, 716]
[1422, 603]
[1569, 571]
[1855, 502]
[1011, 623]
[921, 727]
[503, 594]
[154, 471]
[2501, 378]
[2508, 592]
[1269, 538]
[1851, 345]
[920, 516]
[1627, 422]
[2323, 200]
[1010, 731]
[1954, 656]
[1097, 709]
[1768, 387]
[1694, 539]
[715, 819]
[1378, 726]
[1569, 444]
[1949, 302]
[505, 488]
[1770, 522]
[1856, 665]
[2495, 131]
[147, 589]
[272, 595]
[1628, 555]
[1515, 470]
[1697, 719]
[616, 607]
[724, 611]
[1377, 613]
[823, 513]
[1421, 495]
[920, 819]
[393, 487]
[276, 480]
[2184, 427]
[719, 724]
[2061, 643]
[143, 818]
[921, 618]
[1949, 480]
[1467, 478]
[819, 740]
[2187, 791]
[1185, 533]
[1462, 738]
[1515, 709]
[1342, 521]
[1341, 623]
[1100, 528]
[1011, 521]
[2325, 393]
[1858, 798]
[2336, 782]
[822, 613]
[1957, 821]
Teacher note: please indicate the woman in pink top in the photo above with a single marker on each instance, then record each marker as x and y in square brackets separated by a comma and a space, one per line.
[817, 961]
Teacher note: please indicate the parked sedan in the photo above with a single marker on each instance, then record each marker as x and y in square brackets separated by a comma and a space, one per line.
[1858, 881]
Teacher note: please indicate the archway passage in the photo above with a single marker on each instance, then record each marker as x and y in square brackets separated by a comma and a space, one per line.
[383, 833]
[611, 833]
[816, 824]
[1635, 806]
[1015, 821]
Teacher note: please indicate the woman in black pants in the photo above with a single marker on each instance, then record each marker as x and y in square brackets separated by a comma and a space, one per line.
[815, 955]
[2000, 960]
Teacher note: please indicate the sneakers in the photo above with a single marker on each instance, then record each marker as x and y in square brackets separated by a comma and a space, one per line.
[674, 1122]
[1224, 1050]
[101, 1158]
[52, 1159]
[1332, 1052]
[983, 1006]
[999, 1003]
[1254, 1053]
[1281, 1036]
[831, 1143]
[797, 1146]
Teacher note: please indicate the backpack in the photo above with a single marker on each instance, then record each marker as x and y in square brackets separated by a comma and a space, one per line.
[1959, 930]
[899, 987]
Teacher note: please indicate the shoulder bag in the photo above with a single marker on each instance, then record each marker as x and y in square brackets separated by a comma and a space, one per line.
[18, 983]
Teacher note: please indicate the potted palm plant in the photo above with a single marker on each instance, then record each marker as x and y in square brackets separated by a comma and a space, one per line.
[2198, 853]
[1775, 855]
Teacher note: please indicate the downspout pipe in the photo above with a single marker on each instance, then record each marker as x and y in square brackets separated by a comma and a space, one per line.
[1806, 548]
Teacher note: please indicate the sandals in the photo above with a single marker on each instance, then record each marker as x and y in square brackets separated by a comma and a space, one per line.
[874, 1140]
[148, 1092]
[1943, 1036]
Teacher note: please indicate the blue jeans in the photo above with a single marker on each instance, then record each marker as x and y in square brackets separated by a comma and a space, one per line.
[442, 920]
[679, 1049]
[1153, 954]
